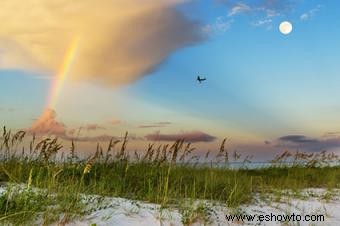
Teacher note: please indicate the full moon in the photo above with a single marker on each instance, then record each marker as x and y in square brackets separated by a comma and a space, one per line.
[285, 27]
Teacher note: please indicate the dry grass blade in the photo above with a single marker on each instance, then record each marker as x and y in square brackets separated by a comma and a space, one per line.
[72, 151]
[89, 165]
[177, 146]
[18, 137]
[110, 147]
[164, 154]
[123, 148]
[158, 152]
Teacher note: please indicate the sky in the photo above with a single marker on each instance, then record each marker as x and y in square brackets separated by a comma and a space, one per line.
[88, 71]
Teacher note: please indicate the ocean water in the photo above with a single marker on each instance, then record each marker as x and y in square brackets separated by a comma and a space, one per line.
[259, 165]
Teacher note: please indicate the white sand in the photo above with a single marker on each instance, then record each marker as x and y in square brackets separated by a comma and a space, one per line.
[122, 212]
[117, 211]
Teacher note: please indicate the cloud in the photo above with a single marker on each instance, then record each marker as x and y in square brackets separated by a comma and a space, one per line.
[265, 9]
[297, 139]
[48, 125]
[262, 12]
[93, 127]
[262, 22]
[331, 134]
[270, 8]
[149, 126]
[220, 25]
[163, 123]
[309, 144]
[308, 15]
[155, 125]
[239, 8]
[100, 138]
[267, 142]
[194, 136]
[118, 41]
[274, 7]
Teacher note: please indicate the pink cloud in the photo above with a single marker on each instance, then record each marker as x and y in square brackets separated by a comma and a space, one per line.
[194, 136]
[90, 127]
[48, 125]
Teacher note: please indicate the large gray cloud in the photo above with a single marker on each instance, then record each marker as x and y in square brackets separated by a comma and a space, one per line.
[115, 42]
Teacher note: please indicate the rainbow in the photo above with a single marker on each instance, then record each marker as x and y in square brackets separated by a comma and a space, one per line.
[63, 72]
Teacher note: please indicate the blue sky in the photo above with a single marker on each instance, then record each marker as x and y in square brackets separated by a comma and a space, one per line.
[256, 72]
[261, 84]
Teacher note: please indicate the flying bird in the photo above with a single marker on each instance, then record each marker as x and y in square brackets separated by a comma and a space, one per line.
[200, 80]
